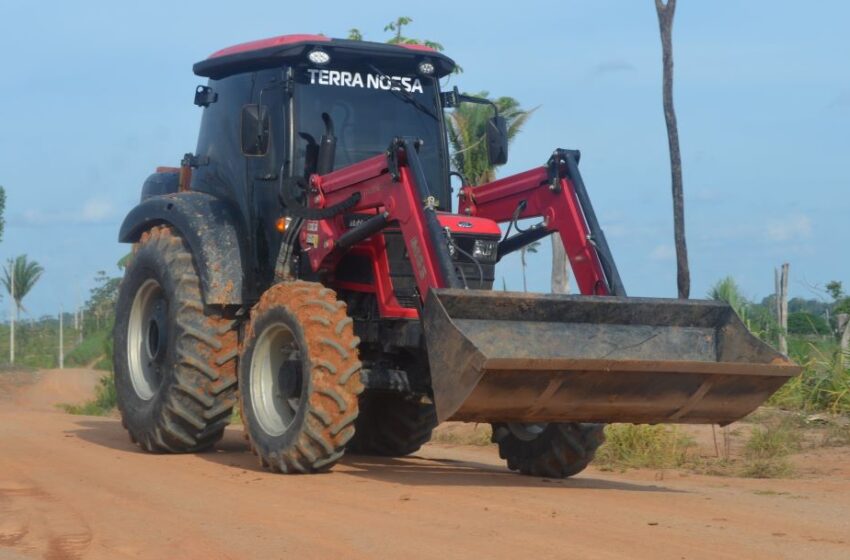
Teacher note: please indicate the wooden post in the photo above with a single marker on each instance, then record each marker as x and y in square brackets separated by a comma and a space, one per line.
[844, 328]
[560, 272]
[781, 280]
[61, 340]
[13, 314]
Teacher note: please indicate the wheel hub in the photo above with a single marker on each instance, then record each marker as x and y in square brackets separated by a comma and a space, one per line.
[277, 379]
[526, 432]
[147, 339]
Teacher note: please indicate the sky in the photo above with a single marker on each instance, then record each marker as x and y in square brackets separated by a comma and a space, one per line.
[95, 94]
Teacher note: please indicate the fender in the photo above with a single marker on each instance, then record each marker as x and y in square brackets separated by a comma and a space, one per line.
[207, 225]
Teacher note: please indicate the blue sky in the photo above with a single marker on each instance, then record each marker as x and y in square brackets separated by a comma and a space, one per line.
[94, 95]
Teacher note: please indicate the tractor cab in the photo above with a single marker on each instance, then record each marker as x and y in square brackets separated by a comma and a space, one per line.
[306, 105]
[307, 96]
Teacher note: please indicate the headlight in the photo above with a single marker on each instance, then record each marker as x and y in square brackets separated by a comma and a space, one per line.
[485, 250]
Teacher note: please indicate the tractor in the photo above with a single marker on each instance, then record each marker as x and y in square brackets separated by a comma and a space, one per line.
[308, 266]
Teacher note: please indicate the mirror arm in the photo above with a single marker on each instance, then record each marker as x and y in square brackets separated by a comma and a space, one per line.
[455, 97]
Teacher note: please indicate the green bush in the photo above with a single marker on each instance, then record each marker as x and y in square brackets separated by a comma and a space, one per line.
[90, 350]
[767, 449]
[636, 446]
[102, 404]
[824, 384]
[802, 322]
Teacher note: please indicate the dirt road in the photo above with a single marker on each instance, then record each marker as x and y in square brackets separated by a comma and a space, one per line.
[74, 487]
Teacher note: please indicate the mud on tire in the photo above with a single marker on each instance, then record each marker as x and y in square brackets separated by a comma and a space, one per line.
[548, 450]
[175, 361]
[299, 376]
[392, 425]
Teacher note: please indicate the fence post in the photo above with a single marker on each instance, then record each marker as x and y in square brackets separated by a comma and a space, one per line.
[781, 278]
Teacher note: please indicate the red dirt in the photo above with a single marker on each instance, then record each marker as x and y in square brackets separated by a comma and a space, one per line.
[75, 487]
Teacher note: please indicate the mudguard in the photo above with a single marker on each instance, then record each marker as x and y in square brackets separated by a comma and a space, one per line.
[207, 225]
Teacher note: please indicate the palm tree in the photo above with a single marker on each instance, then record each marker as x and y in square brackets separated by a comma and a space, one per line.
[467, 126]
[727, 290]
[26, 274]
[530, 248]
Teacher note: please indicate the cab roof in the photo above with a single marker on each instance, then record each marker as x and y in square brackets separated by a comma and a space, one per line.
[275, 51]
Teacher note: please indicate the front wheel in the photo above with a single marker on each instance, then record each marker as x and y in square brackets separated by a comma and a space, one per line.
[299, 378]
[555, 450]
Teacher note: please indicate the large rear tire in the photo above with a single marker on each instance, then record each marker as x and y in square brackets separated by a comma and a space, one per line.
[175, 361]
[548, 450]
[392, 425]
[299, 378]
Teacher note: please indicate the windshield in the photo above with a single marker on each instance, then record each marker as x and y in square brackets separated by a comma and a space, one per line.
[369, 107]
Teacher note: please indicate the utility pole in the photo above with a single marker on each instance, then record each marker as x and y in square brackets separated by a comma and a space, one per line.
[13, 315]
[61, 339]
[781, 279]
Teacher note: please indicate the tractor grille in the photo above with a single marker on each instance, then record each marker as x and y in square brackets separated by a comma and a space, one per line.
[401, 271]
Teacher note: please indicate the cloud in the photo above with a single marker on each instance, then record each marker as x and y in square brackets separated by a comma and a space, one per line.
[662, 253]
[840, 101]
[93, 211]
[793, 227]
[612, 67]
[706, 194]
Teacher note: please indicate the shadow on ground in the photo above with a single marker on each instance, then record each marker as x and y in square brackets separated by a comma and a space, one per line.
[232, 451]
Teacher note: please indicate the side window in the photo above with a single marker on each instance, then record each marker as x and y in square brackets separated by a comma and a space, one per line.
[256, 130]
[265, 136]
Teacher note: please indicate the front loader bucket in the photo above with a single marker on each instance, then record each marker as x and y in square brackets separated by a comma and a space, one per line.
[514, 357]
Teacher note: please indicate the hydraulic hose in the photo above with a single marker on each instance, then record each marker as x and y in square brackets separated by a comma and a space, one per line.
[295, 208]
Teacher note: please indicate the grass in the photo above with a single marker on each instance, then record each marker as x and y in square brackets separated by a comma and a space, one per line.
[642, 446]
[102, 404]
[463, 434]
[92, 350]
[767, 449]
[17, 368]
[824, 384]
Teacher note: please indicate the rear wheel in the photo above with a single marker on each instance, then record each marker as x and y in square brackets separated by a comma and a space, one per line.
[175, 361]
[392, 425]
[299, 375]
[555, 450]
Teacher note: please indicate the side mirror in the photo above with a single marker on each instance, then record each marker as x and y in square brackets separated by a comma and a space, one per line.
[497, 141]
[255, 130]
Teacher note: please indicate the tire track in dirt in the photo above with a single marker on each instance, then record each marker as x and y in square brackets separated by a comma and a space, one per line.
[36, 523]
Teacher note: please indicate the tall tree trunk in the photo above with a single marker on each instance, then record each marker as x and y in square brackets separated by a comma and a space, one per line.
[781, 279]
[560, 272]
[665, 24]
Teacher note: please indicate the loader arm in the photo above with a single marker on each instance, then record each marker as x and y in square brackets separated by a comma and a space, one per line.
[509, 357]
[554, 192]
[393, 186]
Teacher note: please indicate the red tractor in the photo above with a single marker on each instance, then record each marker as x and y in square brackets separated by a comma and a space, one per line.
[306, 262]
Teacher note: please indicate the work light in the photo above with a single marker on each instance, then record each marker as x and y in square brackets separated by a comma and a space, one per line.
[319, 57]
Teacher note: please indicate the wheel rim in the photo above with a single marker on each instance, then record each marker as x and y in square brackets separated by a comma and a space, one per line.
[147, 339]
[277, 379]
[527, 432]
